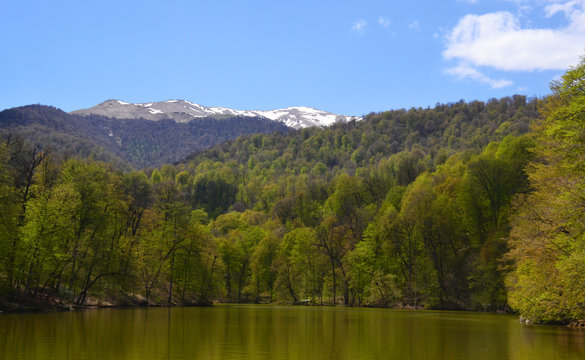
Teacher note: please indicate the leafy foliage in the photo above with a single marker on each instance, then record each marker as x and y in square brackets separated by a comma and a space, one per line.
[548, 230]
[404, 208]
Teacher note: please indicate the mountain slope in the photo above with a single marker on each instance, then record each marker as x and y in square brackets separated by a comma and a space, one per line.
[129, 142]
[434, 133]
[184, 111]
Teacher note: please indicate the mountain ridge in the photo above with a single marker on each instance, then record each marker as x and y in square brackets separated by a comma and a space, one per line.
[182, 111]
[131, 142]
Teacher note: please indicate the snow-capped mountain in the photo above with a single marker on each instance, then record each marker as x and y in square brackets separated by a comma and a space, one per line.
[185, 111]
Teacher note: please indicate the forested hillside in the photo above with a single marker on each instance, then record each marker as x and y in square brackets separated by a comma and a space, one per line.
[425, 135]
[407, 208]
[411, 208]
[127, 143]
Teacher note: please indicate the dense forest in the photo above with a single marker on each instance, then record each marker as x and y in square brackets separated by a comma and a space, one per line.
[460, 206]
[127, 143]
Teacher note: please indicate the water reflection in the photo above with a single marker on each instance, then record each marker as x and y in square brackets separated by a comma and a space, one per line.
[280, 332]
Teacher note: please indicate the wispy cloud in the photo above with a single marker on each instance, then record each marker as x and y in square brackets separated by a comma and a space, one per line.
[415, 25]
[569, 8]
[466, 71]
[497, 40]
[359, 26]
[383, 21]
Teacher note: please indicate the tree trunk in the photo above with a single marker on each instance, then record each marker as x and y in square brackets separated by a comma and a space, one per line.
[334, 277]
[170, 300]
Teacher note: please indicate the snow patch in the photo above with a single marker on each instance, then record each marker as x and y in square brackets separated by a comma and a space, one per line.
[305, 109]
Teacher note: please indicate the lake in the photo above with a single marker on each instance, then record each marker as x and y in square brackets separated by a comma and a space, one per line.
[281, 332]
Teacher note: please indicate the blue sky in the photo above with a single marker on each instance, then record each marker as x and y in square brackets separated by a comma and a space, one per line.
[348, 57]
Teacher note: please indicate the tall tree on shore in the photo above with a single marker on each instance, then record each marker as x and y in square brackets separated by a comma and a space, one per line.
[548, 233]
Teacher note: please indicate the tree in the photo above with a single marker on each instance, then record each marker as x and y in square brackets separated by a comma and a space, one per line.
[214, 194]
[547, 238]
[22, 162]
[9, 211]
[263, 265]
[94, 242]
[372, 282]
[139, 197]
[490, 182]
[300, 267]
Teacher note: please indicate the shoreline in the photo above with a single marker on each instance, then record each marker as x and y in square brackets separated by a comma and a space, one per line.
[34, 306]
[54, 304]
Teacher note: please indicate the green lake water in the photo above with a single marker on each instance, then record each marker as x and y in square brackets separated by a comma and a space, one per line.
[281, 332]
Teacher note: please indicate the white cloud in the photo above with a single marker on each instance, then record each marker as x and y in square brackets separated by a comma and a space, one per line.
[554, 8]
[415, 25]
[557, 77]
[439, 33]
[497, 40]
[574, 11]
[359, 26]
[520, 2]
[383, 21]
[465, 71]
